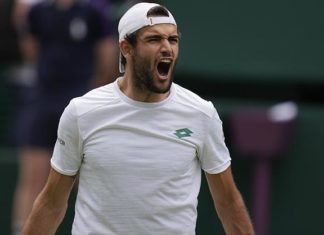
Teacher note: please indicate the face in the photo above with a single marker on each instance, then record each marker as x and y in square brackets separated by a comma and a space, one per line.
[154, 57]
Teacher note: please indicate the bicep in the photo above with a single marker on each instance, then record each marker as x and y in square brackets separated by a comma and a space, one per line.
[58, 188]
[50, 206]
[222, 187]
[229, 204]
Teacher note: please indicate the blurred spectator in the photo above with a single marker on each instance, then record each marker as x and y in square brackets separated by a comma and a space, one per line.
[75, 49]
[25, 74]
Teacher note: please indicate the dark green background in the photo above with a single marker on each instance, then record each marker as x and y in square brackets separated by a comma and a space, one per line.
[264, 39]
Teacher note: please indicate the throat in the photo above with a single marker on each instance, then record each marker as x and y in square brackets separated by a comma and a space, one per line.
[140, 93]
[151, 97]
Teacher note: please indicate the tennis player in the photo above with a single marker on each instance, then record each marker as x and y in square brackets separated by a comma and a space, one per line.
[138, 146]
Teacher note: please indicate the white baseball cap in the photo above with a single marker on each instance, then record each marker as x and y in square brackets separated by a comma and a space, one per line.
[136, 18]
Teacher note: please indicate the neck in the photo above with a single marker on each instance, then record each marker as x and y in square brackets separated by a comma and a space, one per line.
[128, 87]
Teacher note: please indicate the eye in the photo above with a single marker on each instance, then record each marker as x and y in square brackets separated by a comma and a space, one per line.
[174, 40]
[154, 39]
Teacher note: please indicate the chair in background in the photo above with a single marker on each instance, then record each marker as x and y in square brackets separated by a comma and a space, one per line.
[263, 135]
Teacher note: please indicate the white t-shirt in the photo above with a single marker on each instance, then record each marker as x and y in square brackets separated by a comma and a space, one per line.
[140, 163]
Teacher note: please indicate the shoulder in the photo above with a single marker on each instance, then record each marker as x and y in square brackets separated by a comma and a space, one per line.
[94, 99]
[193, 101]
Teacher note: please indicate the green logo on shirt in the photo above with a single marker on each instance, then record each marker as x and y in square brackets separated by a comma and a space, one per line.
[184, 132]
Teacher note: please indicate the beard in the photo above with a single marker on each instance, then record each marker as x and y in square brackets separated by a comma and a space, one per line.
[144, 76]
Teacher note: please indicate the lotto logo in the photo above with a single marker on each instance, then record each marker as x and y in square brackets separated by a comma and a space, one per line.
[184, 132]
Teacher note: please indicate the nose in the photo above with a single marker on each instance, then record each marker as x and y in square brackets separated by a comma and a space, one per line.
[166, 45]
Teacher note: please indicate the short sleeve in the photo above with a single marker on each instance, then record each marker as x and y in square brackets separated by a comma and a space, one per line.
[215, 156]
[67, 155]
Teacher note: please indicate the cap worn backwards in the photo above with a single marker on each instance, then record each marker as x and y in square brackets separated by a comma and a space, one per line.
[136, 18]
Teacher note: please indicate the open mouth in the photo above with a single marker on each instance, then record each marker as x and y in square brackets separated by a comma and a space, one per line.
[163, 67]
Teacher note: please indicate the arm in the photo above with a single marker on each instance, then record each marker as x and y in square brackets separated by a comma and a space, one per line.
[106, 61]
[50, 206]
[229, 204]
[27, 43]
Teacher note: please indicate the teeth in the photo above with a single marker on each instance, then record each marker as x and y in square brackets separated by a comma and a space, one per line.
[166, 61]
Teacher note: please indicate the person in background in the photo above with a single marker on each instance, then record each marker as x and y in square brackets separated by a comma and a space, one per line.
[138, 146]
[76, 51]
[24, 74]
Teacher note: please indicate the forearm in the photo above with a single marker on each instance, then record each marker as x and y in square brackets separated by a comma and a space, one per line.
[229, 204]
[44, 218]
[235, 218]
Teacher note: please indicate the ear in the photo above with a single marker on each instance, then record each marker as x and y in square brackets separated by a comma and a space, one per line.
[125, 48]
